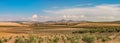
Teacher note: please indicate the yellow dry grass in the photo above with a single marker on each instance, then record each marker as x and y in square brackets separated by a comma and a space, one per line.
[10, 24]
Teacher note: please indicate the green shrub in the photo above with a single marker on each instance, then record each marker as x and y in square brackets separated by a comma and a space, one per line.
[10, 38]
[27, 41]
[88, 39]
[56, 39]
[19, 40]
[49, 41]
[63, 38]
[104, 39]
[40, 40]
[5, 40]
[31, 39]
[1, 41]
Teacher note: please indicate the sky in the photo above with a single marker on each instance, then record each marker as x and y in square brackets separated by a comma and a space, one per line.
[52, 10]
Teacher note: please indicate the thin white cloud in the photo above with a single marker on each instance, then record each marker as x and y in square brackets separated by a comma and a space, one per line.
[106, 11]
[34, 16]
[105, 17]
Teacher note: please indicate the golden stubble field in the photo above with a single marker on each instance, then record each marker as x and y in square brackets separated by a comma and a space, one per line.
[55, 33]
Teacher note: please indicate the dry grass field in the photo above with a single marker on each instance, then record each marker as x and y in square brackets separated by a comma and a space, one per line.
[11, 32]
[10, 24]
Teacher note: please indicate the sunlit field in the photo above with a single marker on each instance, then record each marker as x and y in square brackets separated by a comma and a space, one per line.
[64, 32]
[59, 21]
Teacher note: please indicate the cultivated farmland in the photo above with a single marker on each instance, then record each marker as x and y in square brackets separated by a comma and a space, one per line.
[59, 32]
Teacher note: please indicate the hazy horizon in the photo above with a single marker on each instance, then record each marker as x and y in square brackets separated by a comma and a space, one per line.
[53, 10]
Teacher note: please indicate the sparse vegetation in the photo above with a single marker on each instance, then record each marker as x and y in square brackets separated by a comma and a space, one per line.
[99, 30]
[88, 39]
[61, 33]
